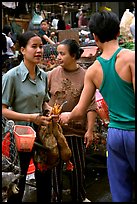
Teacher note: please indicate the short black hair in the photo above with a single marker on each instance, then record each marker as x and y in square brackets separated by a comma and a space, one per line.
[6, 29]
[104, 24]
[45, 20]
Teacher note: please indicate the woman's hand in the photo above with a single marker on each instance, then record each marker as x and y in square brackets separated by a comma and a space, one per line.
[64, 118]
[41, 120]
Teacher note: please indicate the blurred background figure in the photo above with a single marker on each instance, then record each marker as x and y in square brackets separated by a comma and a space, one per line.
[61, 23]
[10, 46]
[9, 42]
[82, 20]
[44, 32]
[54, 22]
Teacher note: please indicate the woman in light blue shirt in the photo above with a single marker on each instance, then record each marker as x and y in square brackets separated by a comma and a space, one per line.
[24, 90]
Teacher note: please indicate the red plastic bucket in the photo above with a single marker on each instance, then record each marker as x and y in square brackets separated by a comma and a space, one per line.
[31, 168]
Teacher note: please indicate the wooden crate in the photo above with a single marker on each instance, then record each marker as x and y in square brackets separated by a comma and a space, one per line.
[68, 34]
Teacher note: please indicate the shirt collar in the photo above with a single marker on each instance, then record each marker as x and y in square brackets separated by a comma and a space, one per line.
[24, 72]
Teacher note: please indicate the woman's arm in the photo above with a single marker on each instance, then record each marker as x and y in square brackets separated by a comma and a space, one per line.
[35, 117]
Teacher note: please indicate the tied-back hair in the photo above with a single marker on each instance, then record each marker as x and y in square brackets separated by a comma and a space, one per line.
[73, 47]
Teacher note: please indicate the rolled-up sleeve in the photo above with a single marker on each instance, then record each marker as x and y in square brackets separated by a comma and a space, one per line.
[7, 90]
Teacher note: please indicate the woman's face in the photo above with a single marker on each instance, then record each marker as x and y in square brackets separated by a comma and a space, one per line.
[33, 52]
[64, 57]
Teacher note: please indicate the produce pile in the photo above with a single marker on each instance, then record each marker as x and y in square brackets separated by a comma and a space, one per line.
[126, 43]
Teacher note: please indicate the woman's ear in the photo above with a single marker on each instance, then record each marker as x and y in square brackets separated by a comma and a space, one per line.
[22, 49]
[95, 37]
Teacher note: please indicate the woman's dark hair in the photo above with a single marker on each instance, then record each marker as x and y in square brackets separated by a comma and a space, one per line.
[25, 37]
[73, 47]
[105, 25]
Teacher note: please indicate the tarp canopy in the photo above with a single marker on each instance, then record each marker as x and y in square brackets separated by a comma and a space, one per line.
[12, 5]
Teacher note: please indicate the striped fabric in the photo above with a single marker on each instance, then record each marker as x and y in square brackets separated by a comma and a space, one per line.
[77, 176]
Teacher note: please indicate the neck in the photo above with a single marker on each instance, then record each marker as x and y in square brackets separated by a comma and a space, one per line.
[72, 67]
[108, 48]
[31, 68]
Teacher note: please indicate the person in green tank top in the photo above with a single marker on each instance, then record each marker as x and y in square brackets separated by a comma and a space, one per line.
[113, 73]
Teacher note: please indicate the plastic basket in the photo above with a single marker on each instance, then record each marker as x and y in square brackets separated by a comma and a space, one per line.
[24, 137]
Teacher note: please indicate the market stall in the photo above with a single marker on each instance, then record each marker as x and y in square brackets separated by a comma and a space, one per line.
[89, 55]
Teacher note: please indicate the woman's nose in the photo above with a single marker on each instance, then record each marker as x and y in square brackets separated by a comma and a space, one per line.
[58, 56]
[39, 49]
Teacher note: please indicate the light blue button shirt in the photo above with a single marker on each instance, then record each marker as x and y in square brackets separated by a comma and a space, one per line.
[21, 93]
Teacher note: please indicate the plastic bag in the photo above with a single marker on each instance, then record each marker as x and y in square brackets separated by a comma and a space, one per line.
[125, 23]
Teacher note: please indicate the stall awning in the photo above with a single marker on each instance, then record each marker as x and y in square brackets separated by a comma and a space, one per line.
[12, 5]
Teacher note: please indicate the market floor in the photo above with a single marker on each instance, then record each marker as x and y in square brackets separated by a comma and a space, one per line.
[97, 186]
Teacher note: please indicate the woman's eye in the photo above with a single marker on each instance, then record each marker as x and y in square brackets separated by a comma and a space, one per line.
[62, 53]
[34, 46]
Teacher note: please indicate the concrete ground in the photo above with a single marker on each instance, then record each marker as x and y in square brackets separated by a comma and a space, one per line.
[97, 186]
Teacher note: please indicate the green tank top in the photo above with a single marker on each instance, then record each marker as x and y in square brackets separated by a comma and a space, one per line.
[118, 94]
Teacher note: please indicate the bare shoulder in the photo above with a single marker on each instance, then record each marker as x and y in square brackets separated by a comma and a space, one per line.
[127, 54]
[95, 73]
[94, 67]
